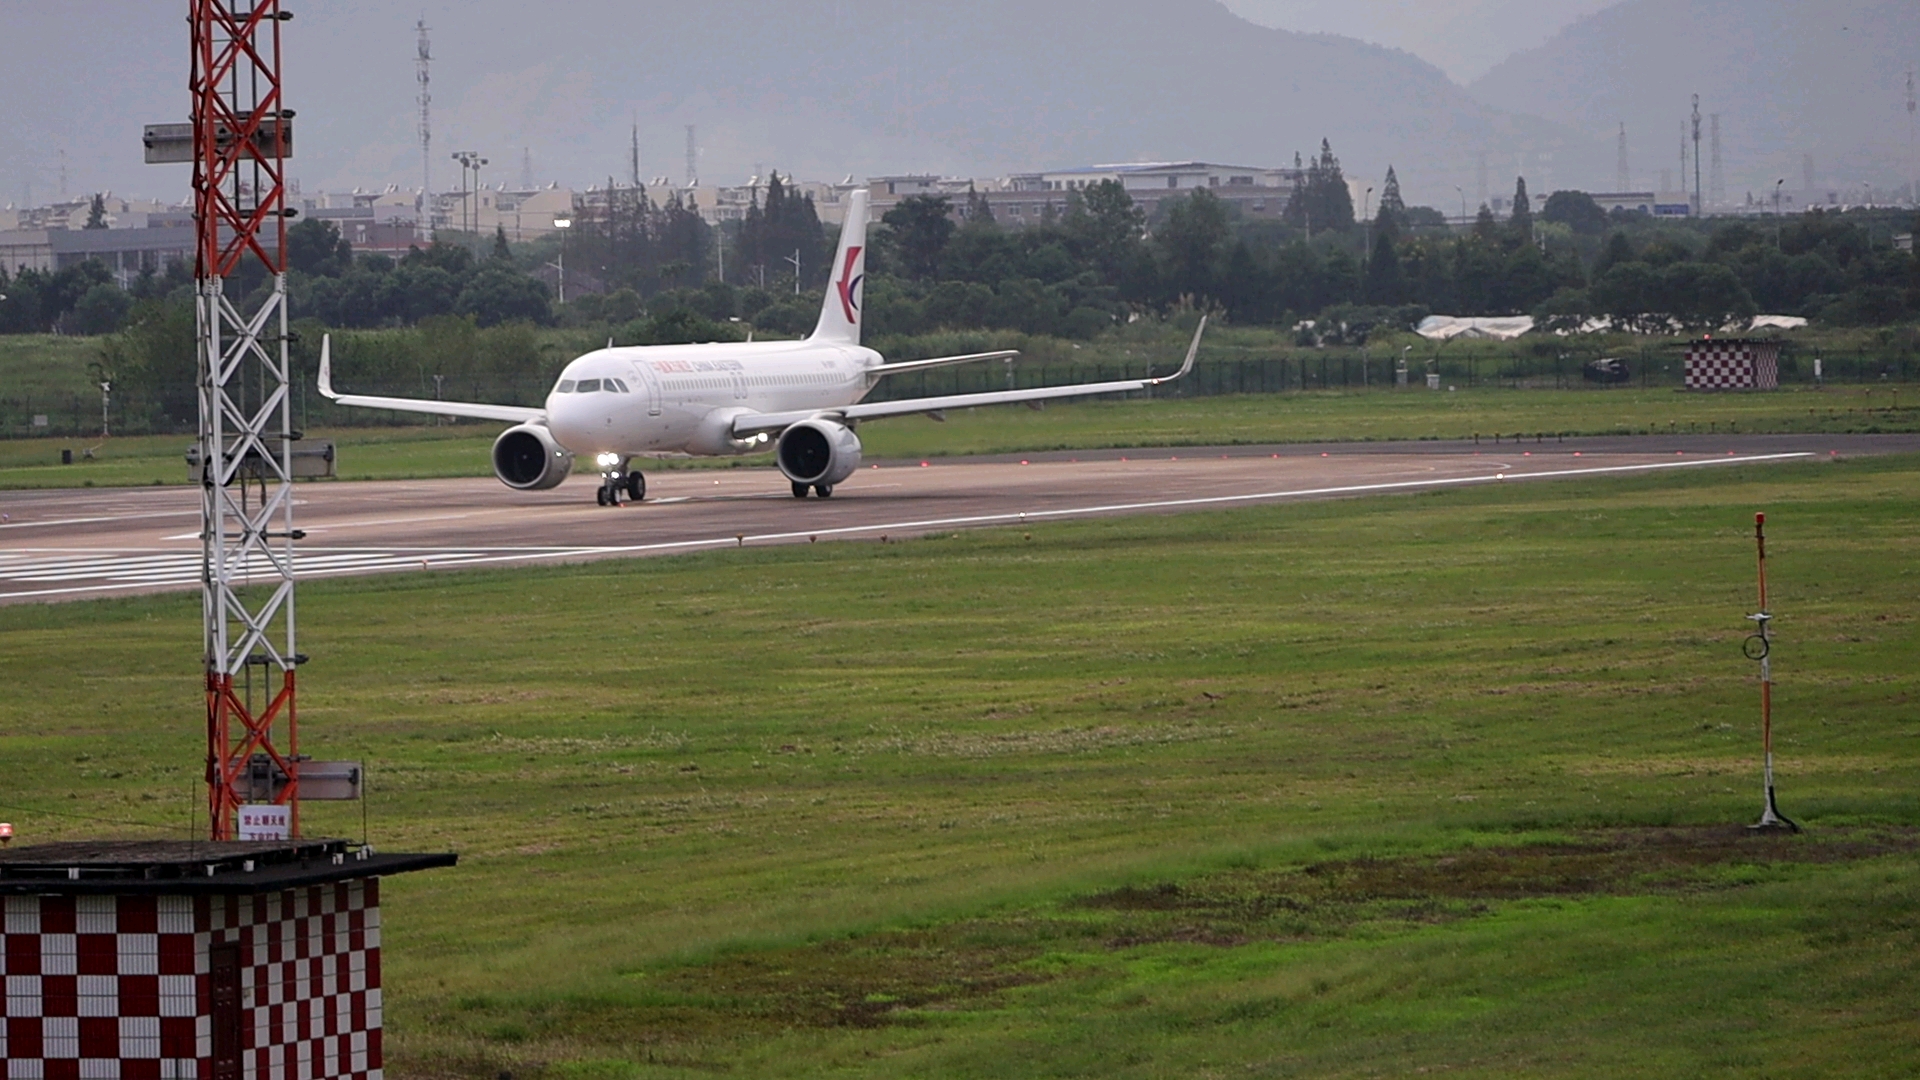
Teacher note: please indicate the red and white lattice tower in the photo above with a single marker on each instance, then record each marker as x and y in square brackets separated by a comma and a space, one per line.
[241, 135]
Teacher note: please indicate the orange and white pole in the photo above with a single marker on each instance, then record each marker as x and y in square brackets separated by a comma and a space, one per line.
[1758, 647]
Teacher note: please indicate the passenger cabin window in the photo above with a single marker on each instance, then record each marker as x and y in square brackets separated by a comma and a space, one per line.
[588, 386]
[565, 387]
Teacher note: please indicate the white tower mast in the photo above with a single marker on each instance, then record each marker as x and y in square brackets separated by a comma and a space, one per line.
[423, 74]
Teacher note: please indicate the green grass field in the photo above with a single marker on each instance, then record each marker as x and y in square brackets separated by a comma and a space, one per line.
[1448, 781]
[462, 450]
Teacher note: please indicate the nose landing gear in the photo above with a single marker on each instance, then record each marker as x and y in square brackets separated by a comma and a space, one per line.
[619, 481]
[800, 490]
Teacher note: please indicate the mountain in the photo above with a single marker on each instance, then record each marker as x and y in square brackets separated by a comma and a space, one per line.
[1789, 78]
[820, 87]
[1464, 38]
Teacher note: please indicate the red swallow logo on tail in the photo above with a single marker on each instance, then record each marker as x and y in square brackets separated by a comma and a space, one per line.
[848, 283]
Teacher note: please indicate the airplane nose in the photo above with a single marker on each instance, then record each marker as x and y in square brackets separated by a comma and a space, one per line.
[571, 421]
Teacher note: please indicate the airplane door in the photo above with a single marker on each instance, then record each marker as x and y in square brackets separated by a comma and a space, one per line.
[650, 385]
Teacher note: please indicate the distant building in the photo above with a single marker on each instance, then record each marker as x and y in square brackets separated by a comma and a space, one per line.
[126, 253]
[1033, 198]
[1635, 202]
[120, 213]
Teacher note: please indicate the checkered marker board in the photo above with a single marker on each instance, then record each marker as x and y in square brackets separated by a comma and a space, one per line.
[1733, 365]
[119, 987]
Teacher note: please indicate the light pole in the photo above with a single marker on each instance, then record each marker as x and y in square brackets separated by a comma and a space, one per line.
[563, 222]
[795, 260]
[1463, 205]
[1776, 211]
[470, 162]
[106, 389]
[1366, 216]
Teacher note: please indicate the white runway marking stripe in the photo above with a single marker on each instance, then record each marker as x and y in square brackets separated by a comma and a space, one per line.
[121, 570]
[97, 520]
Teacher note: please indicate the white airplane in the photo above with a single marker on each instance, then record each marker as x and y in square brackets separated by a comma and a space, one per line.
[616, 404]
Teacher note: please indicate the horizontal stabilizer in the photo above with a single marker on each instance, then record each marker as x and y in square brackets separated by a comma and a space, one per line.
[940, 361]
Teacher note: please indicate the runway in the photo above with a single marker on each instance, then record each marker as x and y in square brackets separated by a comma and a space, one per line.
[73, 544]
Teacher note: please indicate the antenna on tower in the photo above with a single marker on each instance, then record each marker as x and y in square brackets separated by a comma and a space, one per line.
[1699, 204]
[633, 152]
[424, 75]
[1683, 160]
[1913, 141]
[1622, 179]
[1717, 179]
[693, 159]
[63, 174]
[526, 168]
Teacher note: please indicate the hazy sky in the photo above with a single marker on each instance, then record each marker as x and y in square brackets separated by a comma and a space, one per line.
[74, 91]
[1461, 37]
[85, 90]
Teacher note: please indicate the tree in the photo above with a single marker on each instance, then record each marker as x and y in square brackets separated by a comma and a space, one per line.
[921, 226]
[1385, 282]
[1322, 200]
[1105, 226]
[499, 294]
[1618, 250]
[314, 246]
[1577, 211]
[501, 252]
[1520, 223]
[1702, 296]
[97, 213]
[1192, 244]
[100, 310]
[979, 211]
[1393, 209]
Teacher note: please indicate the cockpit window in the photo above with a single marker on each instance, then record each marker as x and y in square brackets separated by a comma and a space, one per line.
[565, 387]
[588, 386]
[617, 386]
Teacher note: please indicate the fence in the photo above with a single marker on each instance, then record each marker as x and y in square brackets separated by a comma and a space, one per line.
[69, 415]
[1319, 371]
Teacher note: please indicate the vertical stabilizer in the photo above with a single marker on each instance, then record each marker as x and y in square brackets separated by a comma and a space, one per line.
[840, 311]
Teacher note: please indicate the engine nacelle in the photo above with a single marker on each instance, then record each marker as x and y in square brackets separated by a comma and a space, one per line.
[818, 452]
[527, 458]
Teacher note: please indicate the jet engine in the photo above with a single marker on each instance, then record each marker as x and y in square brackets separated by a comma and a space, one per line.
[527, 458]
[814, 452]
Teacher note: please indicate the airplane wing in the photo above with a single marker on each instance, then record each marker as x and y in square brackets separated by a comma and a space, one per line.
[940, 361]
[513, 414]
[754, 423]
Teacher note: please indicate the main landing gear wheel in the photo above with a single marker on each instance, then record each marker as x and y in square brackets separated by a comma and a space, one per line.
[825, 491]
[799, 490]
[636, 486]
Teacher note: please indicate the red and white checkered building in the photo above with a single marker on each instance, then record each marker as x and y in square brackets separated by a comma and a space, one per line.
[249, 969]
[1733, 364]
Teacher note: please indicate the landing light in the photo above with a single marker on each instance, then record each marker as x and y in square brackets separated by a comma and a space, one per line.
[607, 461]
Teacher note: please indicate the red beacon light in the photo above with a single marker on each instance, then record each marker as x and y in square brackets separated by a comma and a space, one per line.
[6, 834]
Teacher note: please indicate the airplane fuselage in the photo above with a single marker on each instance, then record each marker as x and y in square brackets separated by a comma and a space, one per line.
[683, 398]
[802, 397]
